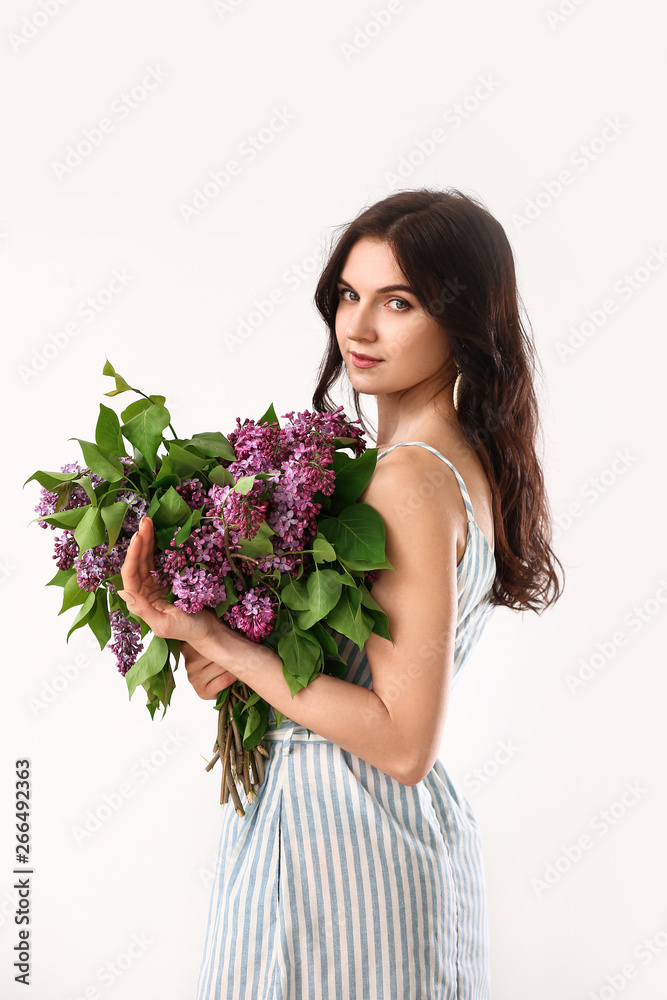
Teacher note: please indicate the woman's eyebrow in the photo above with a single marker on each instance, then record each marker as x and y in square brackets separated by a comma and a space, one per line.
[386, 288]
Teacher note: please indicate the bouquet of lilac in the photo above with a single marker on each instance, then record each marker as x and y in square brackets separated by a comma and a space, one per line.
[264, 526]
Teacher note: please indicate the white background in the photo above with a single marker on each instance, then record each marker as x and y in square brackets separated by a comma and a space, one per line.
[358, 112]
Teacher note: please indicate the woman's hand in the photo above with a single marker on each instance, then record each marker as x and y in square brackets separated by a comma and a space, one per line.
[145, 597]
[206, 677]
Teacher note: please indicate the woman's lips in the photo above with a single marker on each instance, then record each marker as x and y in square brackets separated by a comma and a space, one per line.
[364, 362]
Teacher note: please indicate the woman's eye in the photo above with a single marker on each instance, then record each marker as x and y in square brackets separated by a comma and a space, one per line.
[404, 305]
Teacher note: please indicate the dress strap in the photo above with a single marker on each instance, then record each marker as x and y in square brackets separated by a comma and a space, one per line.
[462, 486]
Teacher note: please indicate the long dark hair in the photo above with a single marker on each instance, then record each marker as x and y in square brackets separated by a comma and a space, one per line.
[457, 258]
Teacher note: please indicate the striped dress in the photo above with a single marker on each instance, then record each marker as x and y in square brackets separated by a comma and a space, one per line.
[341, 883]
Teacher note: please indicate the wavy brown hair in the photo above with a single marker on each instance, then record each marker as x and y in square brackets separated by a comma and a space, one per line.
[457, 258]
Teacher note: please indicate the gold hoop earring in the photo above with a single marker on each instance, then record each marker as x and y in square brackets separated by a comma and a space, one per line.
[457, 389]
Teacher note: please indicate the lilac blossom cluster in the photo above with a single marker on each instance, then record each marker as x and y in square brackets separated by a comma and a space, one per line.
[94, 566]
[298, 460]
[208, 568]
[126, 643]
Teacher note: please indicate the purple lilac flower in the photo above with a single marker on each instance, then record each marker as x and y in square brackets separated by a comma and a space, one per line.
[138, 506]
[127, 643]
[193, 492]
[317, 430]
[246, 513]
[258, 448]
[197, 589]
[254, 614]
[95, 565]
[195, 569]
[65, 549]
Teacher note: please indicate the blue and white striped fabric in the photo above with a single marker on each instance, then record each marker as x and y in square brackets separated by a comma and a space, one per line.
[340, 883]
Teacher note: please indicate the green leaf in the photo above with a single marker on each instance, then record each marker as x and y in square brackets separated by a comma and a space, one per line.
[352, 476]
[163, 536]
[213, 445]
[49, 480]
[121, 384]
[172, 509]
[380, 623]
[64, 493]
[99, 619]
[153, 506]
[335, 666]
[159, 689]
[295, 595]
[145, 431]
[367, 598]
[138, 406]
[221, 697]
[175, 649]
[269, 417]
[113, 517]
[67, 518]
[61, 577]
[90, 530]
[258, 546]
[257, 723]
[101, 462]
[349, 618]
[87, 484]
[107, 431]
[324, 588]
[166, 476]
[221, 476]
[72, 594]
[361, 565]
[300, 656]
[183, 461]
[84, 614]
[244, 485]
[280, 718]
[326, 640]
[323, 551]
[184, 532]
[356, 533]
[151, 662]
[347, 578]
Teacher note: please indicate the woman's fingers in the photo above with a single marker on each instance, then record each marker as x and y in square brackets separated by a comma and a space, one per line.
[128, 570]
[145, 554]
[207, 678]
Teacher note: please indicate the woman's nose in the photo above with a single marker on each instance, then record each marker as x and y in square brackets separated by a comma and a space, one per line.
[362, 322]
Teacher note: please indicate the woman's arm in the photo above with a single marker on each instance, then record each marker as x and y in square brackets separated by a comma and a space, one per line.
[397, 726]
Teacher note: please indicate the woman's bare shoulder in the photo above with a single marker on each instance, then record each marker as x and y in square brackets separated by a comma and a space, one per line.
[412, 489]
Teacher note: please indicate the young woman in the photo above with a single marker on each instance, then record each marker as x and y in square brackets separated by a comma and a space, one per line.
[357, 871]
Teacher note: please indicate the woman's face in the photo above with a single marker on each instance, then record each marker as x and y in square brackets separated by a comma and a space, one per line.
[379, 316]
